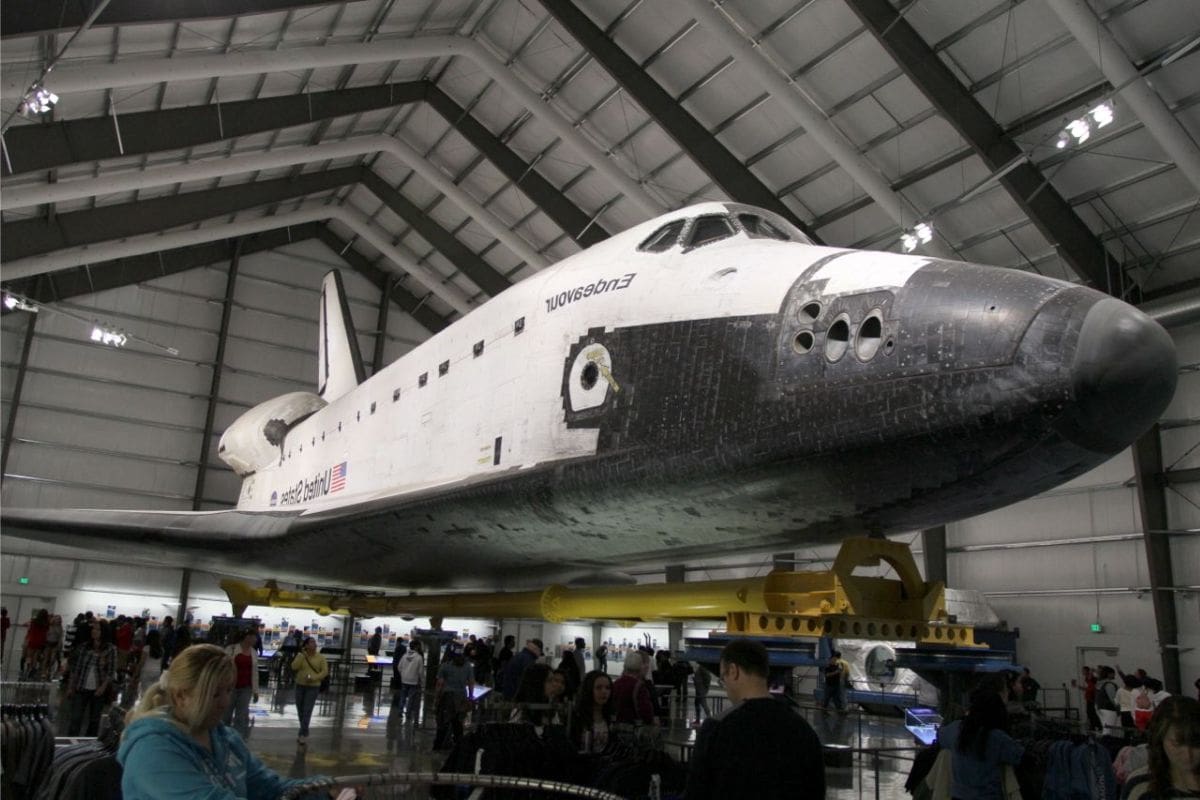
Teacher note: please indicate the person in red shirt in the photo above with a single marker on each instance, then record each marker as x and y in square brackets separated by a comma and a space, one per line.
[35, 641]
[1089, 699]
[124, 642]
[631, 697]
[245, 686]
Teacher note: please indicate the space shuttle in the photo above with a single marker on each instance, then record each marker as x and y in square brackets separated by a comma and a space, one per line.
[706, 382]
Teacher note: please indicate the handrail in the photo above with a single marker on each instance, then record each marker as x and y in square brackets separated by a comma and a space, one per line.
[447, 779]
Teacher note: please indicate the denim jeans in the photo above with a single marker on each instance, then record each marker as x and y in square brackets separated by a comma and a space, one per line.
[85, 702]
[409, 699]
[836, 695]
[238, 713]
[306, 698]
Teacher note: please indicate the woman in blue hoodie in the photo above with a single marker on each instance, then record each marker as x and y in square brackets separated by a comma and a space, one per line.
[175, 745]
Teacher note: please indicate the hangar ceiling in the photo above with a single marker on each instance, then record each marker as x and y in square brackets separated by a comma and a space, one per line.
[205, 163]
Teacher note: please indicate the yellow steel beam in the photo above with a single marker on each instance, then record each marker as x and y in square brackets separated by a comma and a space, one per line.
[555, 603]
[791, 603]
[850, 627]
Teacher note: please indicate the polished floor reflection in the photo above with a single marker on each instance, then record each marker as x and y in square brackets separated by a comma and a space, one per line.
[349, 735]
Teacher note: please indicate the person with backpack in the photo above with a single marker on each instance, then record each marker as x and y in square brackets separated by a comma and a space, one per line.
[1106, 703]
[1143, 705]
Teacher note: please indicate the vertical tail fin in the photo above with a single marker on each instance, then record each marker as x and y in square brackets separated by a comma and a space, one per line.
[340, 365]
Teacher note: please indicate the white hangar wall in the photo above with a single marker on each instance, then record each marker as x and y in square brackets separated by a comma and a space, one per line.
[1055, 593]
[104, 427]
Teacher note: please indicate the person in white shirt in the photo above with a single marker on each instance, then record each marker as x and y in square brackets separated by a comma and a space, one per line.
[412, 676]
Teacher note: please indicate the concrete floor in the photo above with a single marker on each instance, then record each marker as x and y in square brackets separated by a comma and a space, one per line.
[348, 737]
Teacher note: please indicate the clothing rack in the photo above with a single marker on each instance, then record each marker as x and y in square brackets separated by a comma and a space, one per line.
[26, 742]
[25, 693]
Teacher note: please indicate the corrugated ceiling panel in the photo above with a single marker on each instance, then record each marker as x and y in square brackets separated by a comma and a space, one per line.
[1155, 24]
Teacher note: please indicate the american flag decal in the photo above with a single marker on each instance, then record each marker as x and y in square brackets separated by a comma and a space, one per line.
[338, 480]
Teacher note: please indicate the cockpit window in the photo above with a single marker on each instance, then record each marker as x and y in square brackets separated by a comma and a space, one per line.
[758, 228]
[709, 228]
[664, 238]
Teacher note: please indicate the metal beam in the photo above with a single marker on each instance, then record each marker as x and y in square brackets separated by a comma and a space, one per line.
[136, 269]
[415, 306]
[42, 146]
[1110, 57]
[1078, 246]
[1152, 500]
[14, 401]
[1174, 477]
[461, 256]
[933, 547]
[120, 272]
[722, 166]
[185, 590]
[35, 237]
[381, 324]
[573, 220]
[27, 17]
[214, 392]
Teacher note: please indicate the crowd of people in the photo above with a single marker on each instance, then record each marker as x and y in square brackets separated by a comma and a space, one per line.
[761, 749]
[1151, 754]
[193, 703]
[99, 660]
[1117, 703]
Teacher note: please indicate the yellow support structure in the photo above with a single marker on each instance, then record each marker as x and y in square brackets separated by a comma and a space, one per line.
[834, 602]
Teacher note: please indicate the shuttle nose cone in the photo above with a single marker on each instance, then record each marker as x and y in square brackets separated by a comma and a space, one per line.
[1123, 374]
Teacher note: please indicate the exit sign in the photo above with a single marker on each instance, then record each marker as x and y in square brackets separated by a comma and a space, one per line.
[23, 581]
[1097, 627]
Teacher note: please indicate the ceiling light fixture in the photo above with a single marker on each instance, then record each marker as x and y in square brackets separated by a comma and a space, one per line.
[15, 303]
[1103, 114]
[100, 333]
[1078, 131]
[37, 101]
[922, 233]
[106, 336]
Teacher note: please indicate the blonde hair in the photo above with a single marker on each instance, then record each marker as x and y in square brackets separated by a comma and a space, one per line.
[198, 671]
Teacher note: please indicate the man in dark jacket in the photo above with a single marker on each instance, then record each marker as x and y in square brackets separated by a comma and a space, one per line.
[510, 680]
[761, 748]
[504, 656]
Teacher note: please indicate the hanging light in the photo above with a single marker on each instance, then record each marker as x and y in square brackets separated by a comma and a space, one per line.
[38, 100]
[922, 233]
[1103, 114]
[1079, 130]
[106, 336]
[14, 303]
